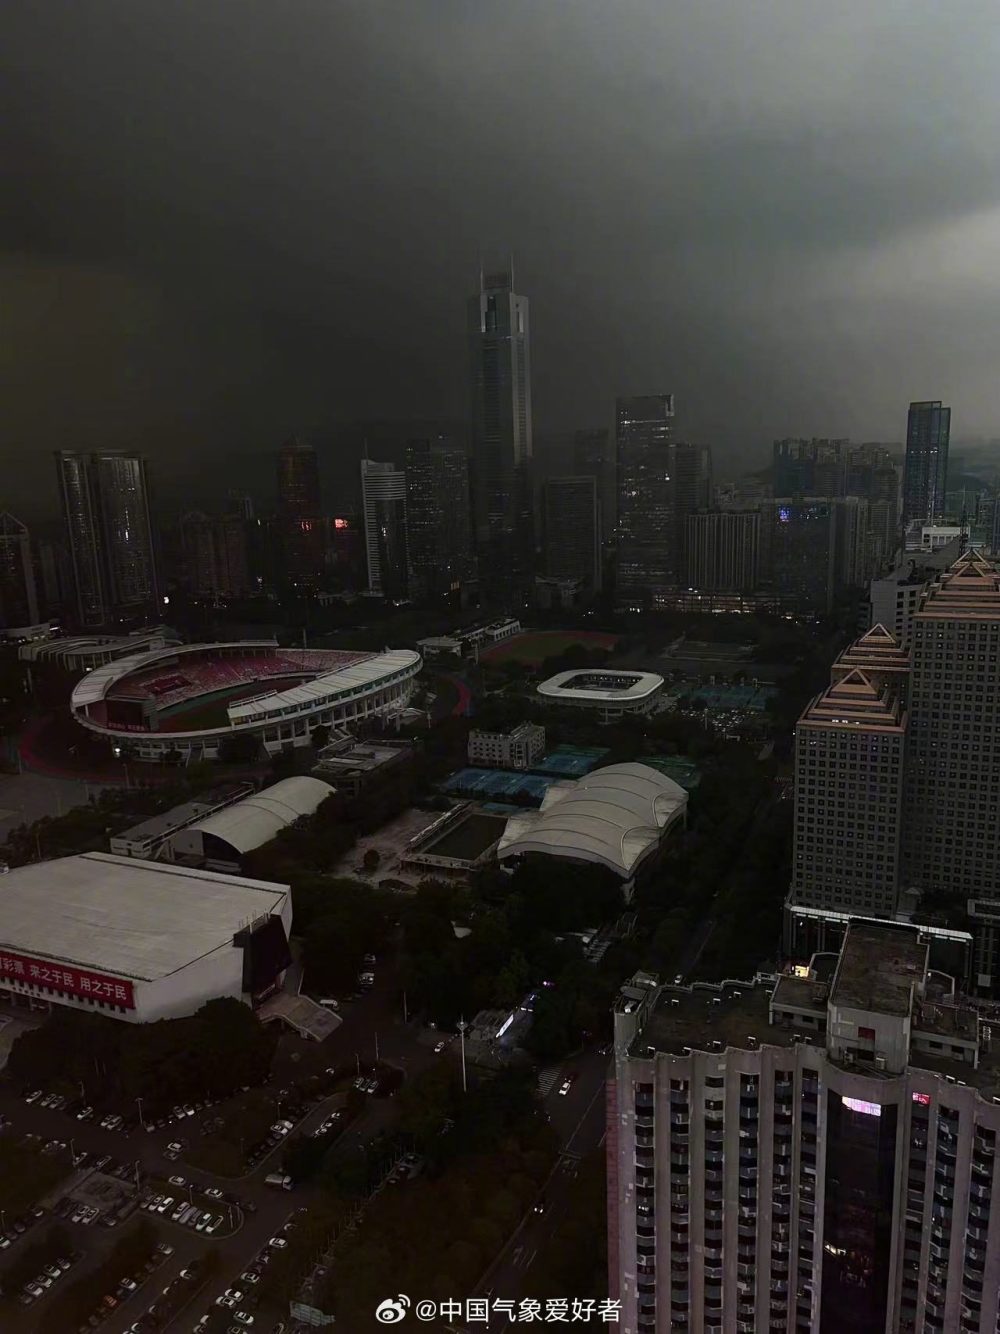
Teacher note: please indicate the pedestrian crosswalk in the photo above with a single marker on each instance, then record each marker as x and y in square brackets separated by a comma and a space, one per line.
[547, 1079]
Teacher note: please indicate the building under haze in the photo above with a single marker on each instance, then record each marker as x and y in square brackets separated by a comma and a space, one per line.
[722, 551]
[18, 599]
[383, 501]
[214, 555]
[925, 468]
[499, 348]
[106, 509]
[951, 843]
[815, 1153]
[571, 531]
[300, 523]
[438, 518]
[645, 546]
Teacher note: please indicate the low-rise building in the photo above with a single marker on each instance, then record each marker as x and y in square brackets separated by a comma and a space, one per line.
[521, 748]
[138, 940]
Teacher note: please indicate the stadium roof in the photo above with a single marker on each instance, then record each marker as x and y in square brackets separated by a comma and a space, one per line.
[640, 685]
[121, 915]
[96, 684]
[255, 820]
[346, 680]
[615, 816]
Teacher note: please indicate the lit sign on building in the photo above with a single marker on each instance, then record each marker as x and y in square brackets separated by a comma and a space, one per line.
[923, 1098]
[859, 1105]
[58, 977]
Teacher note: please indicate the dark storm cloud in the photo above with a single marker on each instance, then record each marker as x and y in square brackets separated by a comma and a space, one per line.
[226, 220]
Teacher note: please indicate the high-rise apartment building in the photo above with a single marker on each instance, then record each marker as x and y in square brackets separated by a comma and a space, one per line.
[300, 523]
[815, 1155]
[214, 555]
[383, 501]
[723, 551]
[106, 508]
[571, 530]
[645, 468]
[438, 517]
[849, 761]
[18, 599]
[952, 828]
[925, 469]
[813, 546]
[503, 505]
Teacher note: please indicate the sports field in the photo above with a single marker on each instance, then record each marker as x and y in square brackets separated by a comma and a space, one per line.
[534, 646]
[204, 712]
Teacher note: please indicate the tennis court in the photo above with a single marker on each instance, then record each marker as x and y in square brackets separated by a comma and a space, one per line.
[684, 772]
[497, 783]
[570, 761]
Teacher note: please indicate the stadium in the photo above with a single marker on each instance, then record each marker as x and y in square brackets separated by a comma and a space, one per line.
[188, 699]
[609, 694]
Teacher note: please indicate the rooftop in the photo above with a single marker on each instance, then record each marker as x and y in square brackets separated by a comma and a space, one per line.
[345, 681]
[968, 591]
[178, 816]
[881, 965]
[137, 919]
[601, 686]
[258, 818]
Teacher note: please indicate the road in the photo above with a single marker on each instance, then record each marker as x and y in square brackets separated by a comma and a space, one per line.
[375, 1023]
[27, 797]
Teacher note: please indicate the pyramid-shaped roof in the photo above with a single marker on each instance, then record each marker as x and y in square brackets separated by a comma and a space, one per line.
[968, 590]
[877, 652]
[855, 700]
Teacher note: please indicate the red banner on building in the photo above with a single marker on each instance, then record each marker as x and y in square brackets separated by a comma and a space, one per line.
[66, 977]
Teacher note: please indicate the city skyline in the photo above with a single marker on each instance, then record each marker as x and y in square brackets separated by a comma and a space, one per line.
[153, 339]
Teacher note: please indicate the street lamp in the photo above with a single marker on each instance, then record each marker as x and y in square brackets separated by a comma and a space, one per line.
[138, 1103]
[462, 1026]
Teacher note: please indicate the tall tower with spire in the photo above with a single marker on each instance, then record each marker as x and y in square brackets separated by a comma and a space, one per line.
[500, 363]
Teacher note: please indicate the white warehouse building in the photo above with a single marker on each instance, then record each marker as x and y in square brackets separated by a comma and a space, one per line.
[138, 940]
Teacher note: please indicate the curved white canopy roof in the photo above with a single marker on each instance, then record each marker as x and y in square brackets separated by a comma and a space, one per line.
[615, 816]
[255, 820]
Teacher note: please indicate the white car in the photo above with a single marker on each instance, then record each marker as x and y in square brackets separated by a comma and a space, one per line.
[85, 1113]
[243, 1318]
[279, 1243]
[213, 1224]
[164, 1204]
[565, 1086]
[177, 1181]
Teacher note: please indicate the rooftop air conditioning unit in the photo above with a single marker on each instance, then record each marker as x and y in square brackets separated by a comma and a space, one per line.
[879, 1062]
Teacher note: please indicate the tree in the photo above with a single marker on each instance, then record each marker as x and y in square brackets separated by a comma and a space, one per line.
[371, 860]
[320, 736]
[241, 748]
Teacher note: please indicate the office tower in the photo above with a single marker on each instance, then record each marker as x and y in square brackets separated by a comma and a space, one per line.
[18, 600]
[592, 457]
[925, 469]
[105, 503]
[383, 500]
[692, 492]
[241, 504]
[951, 844]
[300, 525]
[214, 555]
[798, 552]
[646, 550]
[810, 467]
[723, 551]
[438, 517]
[503, 505]
[849, 757]
[571, 531]
[815, 1155]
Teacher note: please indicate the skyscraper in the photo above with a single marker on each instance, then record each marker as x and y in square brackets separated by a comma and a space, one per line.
[214, 553]
[816, 1154]
[925, 470]
[438, 517]
[105, 502]
[501, 438]
[646, 549]
[383, 500]
[18, 600]
[952, 828]
[300, 525]
[571, 530]
[722, 551]
[849, 763]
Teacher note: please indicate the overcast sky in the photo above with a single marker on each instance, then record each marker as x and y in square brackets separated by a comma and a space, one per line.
[228, 219]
